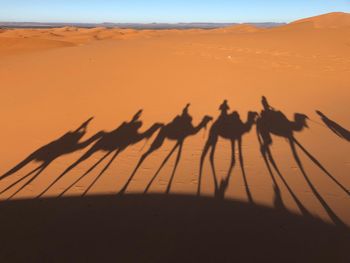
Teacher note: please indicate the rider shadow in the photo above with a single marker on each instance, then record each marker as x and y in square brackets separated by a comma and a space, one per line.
[116, 141]
[231, 127]
[275, 122]
[177, 130]
[335, 127]
[68, 143]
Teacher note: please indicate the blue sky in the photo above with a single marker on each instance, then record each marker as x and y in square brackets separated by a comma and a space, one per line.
[147, 11]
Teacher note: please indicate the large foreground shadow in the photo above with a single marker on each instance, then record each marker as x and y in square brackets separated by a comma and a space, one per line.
[163, 228]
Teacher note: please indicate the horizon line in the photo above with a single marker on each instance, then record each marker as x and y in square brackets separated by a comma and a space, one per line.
[144, 23]
[173, 23]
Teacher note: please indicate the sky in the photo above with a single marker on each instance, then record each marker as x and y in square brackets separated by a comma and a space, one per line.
[172, 11]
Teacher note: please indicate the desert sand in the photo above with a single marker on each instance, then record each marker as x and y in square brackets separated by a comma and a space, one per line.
[53, 80]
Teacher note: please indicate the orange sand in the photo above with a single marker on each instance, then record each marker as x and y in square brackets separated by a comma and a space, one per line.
[54, 79]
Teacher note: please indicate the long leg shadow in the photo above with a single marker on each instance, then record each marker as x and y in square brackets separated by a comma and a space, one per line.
[321, 167]
[19, 166]
[71, 167]
[209, 145]
[156, 144]
[337, 221]
[204, 153]
[212, 164]
[41, 169]
[278, 201]
[160, 168]
[301, 207]
[102, 172]
[224, 183]
[85, 174]
[241, 161]
[175, 167]
[123, 190]
[21, 179]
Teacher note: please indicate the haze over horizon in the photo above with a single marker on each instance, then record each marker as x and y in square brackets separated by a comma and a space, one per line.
[157, 11]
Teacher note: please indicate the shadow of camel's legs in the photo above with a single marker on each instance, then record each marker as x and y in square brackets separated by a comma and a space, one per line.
[102, 172]
[18, 166]
[86, 173]
[241, 161]
[206, 148]
[233, 159]
[180, 144]
[83, 158]
[278, 200]
[321, 167]
[301, 207]
[160, 167]
[21, 179]
[212, 164]
[336, 220]
[42, 168]
[224, 183]
[265, 140]
[157, 143]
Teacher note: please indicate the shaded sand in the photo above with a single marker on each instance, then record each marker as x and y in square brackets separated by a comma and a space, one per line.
[52, 80]
[158, 228]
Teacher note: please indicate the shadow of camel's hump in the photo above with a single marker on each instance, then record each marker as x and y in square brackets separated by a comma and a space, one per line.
[158, 228]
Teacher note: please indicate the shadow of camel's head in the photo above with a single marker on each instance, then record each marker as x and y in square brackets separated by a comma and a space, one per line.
[206, 120]
[253, 115]
[301, 118]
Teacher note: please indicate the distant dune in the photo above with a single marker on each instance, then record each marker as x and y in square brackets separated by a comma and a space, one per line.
[244, 28]
[330, 20]
[18, 39]
[141, 26]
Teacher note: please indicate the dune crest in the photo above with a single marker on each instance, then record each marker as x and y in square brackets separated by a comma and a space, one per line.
[26, 40]
[330, 20]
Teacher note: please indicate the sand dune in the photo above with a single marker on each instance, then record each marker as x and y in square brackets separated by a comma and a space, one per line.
[74, 35]
[54, 79]
[331, 20]
[244, 28]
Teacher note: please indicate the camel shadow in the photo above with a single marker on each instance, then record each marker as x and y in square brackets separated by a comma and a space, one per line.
[66, 144]
[115, 141]
[230, 127]
[335, 127]
[177, 130]
[273, 122]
